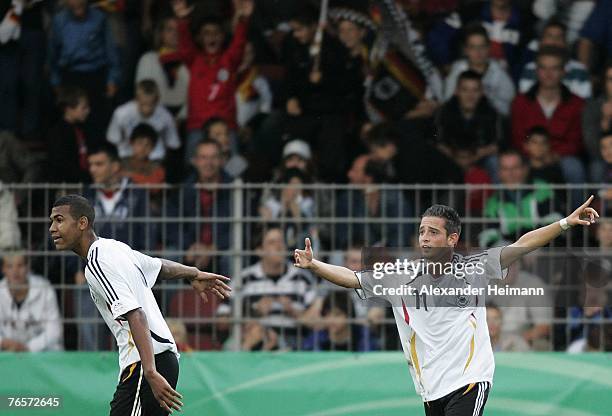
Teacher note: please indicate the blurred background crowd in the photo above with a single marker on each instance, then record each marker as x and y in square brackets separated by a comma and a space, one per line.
[216, 130]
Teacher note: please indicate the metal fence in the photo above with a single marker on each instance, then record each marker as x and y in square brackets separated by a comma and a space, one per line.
[221, 228]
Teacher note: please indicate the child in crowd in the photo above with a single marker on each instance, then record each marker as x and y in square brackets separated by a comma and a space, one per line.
[543, 163]
[145, 108]
[139, 165]
[67, 141]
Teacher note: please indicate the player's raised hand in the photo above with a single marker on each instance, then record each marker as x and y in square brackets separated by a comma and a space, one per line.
[583, 215]
[303, 258]
[181, 9]
[166, 396]
[211, 283]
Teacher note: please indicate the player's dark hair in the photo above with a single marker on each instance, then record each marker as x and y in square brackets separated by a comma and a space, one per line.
[144, 131]
[554, 22]
[148, 87]
[538, 131]
[553, 51]
[306, 15]
[79, 207]
[474, 29]
[339, 299]
[70, 96]
[106, 148]
[452, 221]
[469, 75]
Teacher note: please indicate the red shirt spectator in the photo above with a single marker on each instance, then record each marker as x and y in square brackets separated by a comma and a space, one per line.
[564, 124]
[551, 105]
[212, 86]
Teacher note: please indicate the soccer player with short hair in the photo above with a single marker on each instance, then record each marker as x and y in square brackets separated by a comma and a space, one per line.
[120, 281]
[445, 340]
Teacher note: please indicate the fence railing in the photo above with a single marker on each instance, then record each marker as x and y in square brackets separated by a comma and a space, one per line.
[223, 228]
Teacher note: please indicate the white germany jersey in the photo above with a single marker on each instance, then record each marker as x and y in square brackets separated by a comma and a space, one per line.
[120, 280]
[445, 341]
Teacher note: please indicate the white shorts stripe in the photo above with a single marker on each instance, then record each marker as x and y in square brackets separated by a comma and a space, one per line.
[478, 399]
[137, 398]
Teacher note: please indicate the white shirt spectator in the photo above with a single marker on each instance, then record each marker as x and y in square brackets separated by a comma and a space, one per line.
[497, 84]
[10, 235]
[175, 95]
[36, 323]
[126, 117]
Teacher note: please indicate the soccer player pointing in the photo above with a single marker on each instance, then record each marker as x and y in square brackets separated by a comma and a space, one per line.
[120, 281]
[446, 340]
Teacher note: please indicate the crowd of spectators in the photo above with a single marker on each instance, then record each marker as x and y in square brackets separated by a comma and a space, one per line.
[109, 96]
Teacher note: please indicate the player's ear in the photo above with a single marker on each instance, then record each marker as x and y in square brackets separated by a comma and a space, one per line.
[83, 223]
[453, 239]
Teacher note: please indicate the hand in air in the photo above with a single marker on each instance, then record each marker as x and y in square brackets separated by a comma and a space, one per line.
[583, 215]
[303, 258]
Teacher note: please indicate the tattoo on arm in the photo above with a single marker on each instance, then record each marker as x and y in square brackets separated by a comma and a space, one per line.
[172, 270]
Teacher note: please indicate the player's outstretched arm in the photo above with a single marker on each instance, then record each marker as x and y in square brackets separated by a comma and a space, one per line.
[583, 215]
[202, 282]
[167, 397]
[338, 275]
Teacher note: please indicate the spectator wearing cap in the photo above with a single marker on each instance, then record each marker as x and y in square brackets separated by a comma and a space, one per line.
[296, 154]
[290, 204]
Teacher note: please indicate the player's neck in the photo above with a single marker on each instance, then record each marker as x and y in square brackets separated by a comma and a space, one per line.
[439, 264]
[86, 241]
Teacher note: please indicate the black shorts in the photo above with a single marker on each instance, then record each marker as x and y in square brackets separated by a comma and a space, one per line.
[467, 401]
[134, 397]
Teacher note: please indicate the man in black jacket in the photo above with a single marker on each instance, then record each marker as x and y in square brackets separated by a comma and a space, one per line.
[468, 121]
[67, 141]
